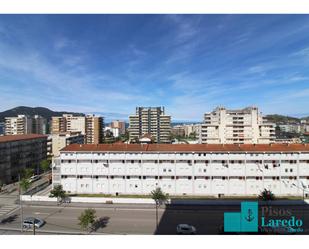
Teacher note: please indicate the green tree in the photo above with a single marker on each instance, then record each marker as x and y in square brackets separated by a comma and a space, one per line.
[45, 165]
[25, 184]
[27, 172]
[267, 195]
[58, 192]
[87, 218]
[160, 198]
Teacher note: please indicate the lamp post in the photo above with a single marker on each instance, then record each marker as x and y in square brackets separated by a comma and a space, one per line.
[20, 205]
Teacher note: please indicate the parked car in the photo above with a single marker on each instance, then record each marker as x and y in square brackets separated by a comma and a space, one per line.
[28, 222]
[185, 229]
[34, 178]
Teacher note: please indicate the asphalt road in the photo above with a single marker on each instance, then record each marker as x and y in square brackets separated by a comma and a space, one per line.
[132, 219]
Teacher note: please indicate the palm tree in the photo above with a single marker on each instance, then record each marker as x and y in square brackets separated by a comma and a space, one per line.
[160, 198]
[58, 192]
[87, 218]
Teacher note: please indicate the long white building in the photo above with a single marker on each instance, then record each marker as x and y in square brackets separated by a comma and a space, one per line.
[243, 126]
[182, 169]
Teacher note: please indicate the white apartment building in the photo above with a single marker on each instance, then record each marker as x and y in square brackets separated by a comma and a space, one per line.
[75, 123]
[197, 169]
[192, 128]
[293, 128]
[244, 126]
[19, 125]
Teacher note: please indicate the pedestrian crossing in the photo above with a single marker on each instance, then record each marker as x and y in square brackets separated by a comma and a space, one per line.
[7, 209]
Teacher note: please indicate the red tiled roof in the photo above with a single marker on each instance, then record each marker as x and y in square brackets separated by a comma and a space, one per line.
[11, 138]
[189, 147]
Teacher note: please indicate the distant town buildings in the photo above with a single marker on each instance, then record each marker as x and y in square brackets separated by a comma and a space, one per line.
[151, 121]
[19, 125]
[178, 130]
[120, 125]
[90, 126]
[18, 152]
[187, 130]
[23, 124]
[243, 126]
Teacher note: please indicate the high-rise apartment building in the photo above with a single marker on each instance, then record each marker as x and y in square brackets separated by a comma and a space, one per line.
[90, 126]
[243, 126]
[19, 125]
[152, 121]
[58, 125]
[39, 125]
[121, 125]
[94, 129]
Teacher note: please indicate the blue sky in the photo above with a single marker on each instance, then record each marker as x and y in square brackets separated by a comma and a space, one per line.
[190, 64]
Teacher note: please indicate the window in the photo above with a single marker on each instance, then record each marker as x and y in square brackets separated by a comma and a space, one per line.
[291, 170]
[132, 161]
[128, 177]
[189, 177]
[123, 161]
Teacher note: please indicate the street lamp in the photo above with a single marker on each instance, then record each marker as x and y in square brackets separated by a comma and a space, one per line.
[21, 205]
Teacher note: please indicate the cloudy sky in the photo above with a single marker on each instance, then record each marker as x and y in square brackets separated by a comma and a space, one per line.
[188, 63]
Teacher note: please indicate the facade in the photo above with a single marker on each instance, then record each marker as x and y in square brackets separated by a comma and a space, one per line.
[120, 125]
[291, 128]
[58, 125]
[2, 127]
[152, 121]
[178, 130]
[18, 152]
[60, 141]
[94, 129]
[19, 125]
[90, 126]
[245, 126]
[197, 169]
[39, 125]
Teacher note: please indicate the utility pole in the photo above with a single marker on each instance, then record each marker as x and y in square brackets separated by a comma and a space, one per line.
[33, 226]
[20, 206]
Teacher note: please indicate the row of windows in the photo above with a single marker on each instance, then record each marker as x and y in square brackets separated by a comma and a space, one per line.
[179, 177]
[274, 162]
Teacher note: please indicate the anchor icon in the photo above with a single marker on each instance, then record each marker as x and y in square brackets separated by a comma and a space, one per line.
[250, 216]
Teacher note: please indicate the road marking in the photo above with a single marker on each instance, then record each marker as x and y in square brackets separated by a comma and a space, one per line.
[7, 209]
[40, 213]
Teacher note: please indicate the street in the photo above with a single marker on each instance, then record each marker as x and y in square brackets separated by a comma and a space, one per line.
[129, 219]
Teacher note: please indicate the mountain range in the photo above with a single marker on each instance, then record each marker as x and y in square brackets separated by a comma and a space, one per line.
[30, 111]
